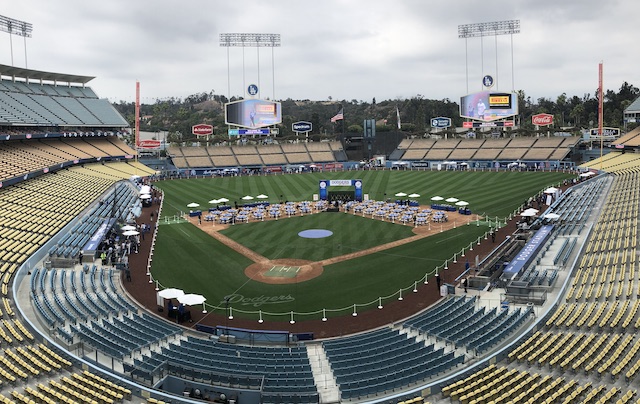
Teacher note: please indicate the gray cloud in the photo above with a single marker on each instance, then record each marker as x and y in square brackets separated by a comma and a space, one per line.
[344, 49]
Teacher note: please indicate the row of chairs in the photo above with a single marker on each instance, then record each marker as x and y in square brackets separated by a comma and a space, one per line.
[432, 317]
[83, 387]
[203, 361]
[270, 352]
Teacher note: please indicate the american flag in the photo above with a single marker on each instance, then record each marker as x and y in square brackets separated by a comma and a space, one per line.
[339, 116]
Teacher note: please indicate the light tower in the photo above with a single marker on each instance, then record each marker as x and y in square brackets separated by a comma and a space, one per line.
[483, 29]
[16, 27]
[245, 40]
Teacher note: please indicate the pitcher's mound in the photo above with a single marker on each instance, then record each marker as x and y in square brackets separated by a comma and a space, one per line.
[283, 271]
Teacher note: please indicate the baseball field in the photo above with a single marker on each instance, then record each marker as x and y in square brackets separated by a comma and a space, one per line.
[264, 269]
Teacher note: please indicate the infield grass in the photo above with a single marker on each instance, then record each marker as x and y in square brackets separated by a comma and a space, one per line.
[279, 239]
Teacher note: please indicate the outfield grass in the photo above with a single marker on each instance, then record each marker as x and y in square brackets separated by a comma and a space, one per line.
[187, 258]
[490, 193]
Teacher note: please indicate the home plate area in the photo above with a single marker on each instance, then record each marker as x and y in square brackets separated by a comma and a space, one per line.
[282, 271]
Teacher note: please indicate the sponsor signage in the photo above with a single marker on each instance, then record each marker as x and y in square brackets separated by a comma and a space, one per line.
[542, 119]
[506, 124]
[202, 129]
[607, 133]
[237, 132]
[302, 126]
[149, 144]
[332, 166]
[440, 122]
[500, 100]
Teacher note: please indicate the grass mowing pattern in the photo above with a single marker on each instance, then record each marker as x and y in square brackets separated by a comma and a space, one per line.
[279, 239]
[490, 193]
[187, 258]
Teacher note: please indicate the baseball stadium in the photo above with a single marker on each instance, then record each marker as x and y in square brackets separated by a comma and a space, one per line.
[461, 270]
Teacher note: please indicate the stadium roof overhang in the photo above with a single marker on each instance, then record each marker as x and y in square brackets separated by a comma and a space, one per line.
[40, 76]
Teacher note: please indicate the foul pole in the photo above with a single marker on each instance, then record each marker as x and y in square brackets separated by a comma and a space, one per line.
[600, 110]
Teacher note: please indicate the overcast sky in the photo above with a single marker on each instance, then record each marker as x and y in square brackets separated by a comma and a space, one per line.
[343, 49]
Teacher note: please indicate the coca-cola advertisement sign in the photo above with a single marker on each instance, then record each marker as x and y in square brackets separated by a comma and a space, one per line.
[542, 119]
[202, 130]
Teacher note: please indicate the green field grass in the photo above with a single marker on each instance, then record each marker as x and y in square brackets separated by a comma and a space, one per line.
[279, 239]
[490, 193]
[187, 258]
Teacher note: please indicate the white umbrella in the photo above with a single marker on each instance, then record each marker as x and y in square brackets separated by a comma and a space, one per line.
[128, 227]
[214, 201]
[130, 233]
[191, 299]
[222, 200]
[145, 196]
[462, 203]
[551, 190]
[170, 293]
[437, 198]
[451, 200]
[193, 205]
[552, 216]
[529, 212]
[262, 196]
[414, 195]
[247, 198]
[587, 174]
[401, 194]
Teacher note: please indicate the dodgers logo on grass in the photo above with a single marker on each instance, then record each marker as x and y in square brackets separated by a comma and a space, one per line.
[257, 301]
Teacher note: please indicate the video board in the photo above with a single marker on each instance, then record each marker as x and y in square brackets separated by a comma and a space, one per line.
[252, 113]
[489, 106]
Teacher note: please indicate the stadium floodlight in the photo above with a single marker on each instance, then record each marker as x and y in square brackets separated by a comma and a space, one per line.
[508, 27]
[489, 29]
[16, 27]
[249, 40]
